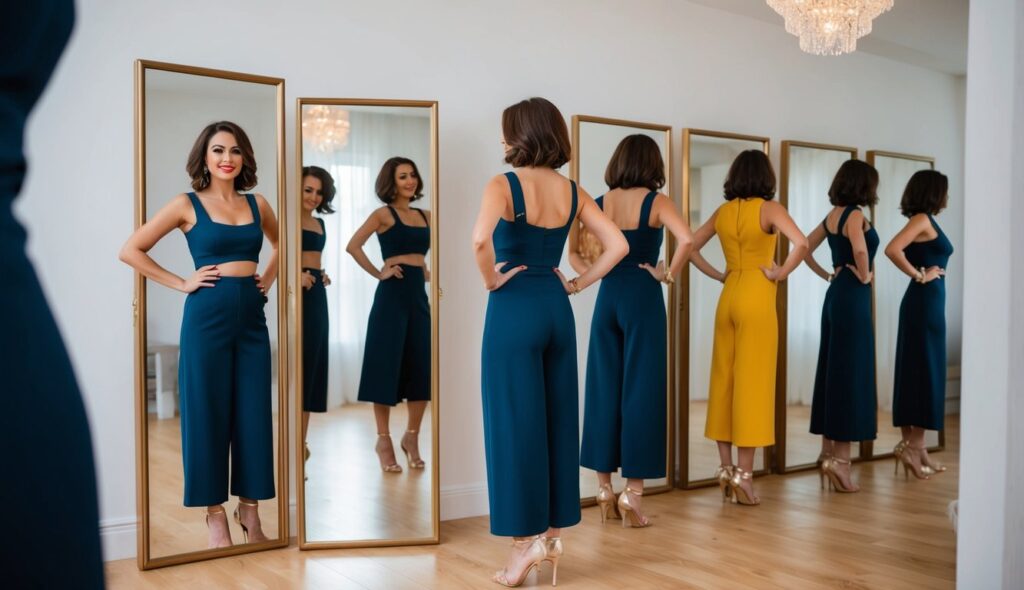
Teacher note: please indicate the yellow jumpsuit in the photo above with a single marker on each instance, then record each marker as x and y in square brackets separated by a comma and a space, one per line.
[741, 400]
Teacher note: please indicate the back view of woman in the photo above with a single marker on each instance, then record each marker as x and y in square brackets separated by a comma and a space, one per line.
[741, 401]
[530, 383]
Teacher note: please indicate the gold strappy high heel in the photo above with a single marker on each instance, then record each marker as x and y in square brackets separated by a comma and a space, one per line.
[922, 472]
[238, 518]
[218, 512]
[606, 502]
[392, 468]
[723, 474]
[416, 463]
[738, 491]
[829, 468]
[824, 463]
[537, 550]
[555, 551]
[627, 509]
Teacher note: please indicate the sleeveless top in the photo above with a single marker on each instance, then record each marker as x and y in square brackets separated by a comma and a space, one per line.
[931, 253]
[518, 242]
[404, 239]
[746, 246]
[210, 242]
[312, 241]
[644, 241]
[842, 248]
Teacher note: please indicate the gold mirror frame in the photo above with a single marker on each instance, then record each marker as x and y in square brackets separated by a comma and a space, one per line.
[435, 314]
[781, 303]
[670, 306]
[144, 559]
[868, 447]
[683, 480]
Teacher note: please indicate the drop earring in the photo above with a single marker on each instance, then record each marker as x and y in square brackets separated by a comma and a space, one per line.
[206, 175]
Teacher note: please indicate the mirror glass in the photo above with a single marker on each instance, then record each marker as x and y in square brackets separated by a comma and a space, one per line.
[367, 424]
[890, 284]
[707, 157]
[597, 140]
[808, 177]
[178, 106]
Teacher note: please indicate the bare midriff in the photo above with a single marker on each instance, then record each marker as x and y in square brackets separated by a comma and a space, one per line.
[407, 259]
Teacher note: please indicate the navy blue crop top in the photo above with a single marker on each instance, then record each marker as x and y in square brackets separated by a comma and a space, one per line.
[312, 241]
[518, 242]
[215, 243]
[404, 239]
[931, 253]
[842, 249]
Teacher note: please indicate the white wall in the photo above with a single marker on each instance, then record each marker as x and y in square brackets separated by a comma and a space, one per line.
[991, 521]
[650, 60]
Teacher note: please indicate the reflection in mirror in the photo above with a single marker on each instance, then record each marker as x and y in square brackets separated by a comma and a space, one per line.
[368, 185]
[210, 381]
[807, 173]
[707, 156]
[626, 165]
[894, 171]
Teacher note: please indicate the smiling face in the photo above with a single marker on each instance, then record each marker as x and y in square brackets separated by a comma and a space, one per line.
[223, 156]
[406, 181]
[312, 193]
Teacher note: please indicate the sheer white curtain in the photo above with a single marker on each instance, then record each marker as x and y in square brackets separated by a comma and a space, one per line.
[890, 282]
[375, 135]
[810, 175]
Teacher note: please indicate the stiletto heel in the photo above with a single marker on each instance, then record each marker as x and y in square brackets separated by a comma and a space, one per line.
[824, 462]
[636, 518]
[606, 503]
[829, 468]
[723, 474]
[739, 492]
[416, 463]
[393, 467]
[218, 512]
[538, 548]
[908, 464]
[555, 550]
[238, 518]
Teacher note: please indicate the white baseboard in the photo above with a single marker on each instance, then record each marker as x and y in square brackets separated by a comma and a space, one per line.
[118, 538]
[464, 501]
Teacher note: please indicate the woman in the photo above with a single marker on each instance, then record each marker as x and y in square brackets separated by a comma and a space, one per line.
[396, 361]
[921, 250]
[741, 401]
[317, 194]
[624, 410]
[50, 485]
[530, 383]
[843, 408]
[224, 364]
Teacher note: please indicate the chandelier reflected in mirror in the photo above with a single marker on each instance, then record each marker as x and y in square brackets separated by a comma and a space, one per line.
[829, 27]
[325, 128]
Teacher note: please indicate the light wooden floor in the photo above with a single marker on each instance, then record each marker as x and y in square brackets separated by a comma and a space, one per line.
[892, 535]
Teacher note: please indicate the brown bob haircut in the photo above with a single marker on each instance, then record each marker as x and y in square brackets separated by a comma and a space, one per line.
[855, 184]
[196, 164]
[327, 189]
[927, 192]
[387, 187]
[636, 162]
[751, 175]
[535, 134]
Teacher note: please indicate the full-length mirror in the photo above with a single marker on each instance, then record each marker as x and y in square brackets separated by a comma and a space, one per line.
[894, 171]
[366, 435]
[210, 356]
[807, 171]
[627, 377]
[707, 156]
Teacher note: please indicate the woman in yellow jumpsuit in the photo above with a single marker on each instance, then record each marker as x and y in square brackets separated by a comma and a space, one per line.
[741, 400]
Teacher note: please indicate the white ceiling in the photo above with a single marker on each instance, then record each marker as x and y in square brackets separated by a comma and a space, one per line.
[927, 33]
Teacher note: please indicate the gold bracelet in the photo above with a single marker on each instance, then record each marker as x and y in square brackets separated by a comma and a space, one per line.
[920, 275]
[668, 279]
[574, 287]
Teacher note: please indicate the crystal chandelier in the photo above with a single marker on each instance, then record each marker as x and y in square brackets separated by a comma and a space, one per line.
[325, 127]
[829, 27]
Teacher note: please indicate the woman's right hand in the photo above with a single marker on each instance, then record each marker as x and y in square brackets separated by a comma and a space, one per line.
[308, 280]
[504, 277]
[932, 273]
[387, 272]
[205, 276]
[864, 280]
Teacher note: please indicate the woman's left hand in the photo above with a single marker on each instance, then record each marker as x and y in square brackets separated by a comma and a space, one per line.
[773, 273]
[658, 272]
[565, 283]
[865, 279]
[262, 284]
[326, 279]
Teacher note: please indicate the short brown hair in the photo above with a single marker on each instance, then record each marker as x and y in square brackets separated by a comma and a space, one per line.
[751, 175]
[535, 134]
[195, 166]
[927, 192]
[856, 184]
[636, 162]
[327, 189]
[386, 186]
